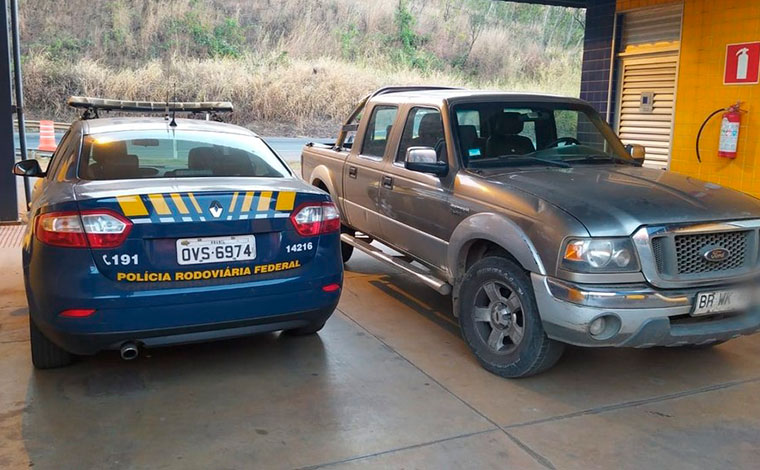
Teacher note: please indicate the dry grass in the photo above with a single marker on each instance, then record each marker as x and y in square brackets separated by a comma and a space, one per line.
[297, 71]
[306, 95]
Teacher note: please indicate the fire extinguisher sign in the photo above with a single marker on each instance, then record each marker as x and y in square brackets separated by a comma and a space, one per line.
[742, 64]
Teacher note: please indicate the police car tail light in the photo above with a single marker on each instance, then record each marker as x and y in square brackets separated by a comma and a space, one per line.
[61, 229]
[97, 229]
[313, 219]
[105, 229]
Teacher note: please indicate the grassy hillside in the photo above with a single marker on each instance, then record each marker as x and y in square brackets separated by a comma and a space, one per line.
[290, 65]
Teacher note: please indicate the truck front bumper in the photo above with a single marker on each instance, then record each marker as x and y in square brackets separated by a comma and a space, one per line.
[635, 315]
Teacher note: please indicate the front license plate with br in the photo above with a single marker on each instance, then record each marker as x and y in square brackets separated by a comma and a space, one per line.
[721, 301]
[216, 249]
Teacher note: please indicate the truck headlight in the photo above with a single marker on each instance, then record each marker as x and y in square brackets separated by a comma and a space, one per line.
[599, 255]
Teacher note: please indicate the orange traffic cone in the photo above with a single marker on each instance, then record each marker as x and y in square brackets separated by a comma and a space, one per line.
[47, 137]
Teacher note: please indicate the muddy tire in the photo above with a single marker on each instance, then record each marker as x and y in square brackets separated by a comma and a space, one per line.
[500, 321]
[45, 353]
[346, 250]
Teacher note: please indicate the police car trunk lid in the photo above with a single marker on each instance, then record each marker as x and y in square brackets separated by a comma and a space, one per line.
[172, 222]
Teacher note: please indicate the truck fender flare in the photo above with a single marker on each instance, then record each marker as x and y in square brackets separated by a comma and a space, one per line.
[322, 174]
[498, 230]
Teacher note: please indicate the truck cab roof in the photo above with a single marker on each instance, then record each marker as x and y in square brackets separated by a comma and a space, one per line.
[438, 97]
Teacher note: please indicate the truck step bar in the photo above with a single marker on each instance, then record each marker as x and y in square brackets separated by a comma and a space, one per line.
[442, 287]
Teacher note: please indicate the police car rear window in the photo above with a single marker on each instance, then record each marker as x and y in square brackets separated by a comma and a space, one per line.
[176, 154]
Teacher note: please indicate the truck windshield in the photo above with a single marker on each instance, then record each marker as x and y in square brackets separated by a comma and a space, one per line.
[176, 154]
[500, 134]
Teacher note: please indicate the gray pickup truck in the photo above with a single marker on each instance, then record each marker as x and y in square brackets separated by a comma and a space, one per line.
[543, 227]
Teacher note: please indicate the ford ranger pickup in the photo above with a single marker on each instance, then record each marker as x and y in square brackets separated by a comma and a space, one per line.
[541, 224]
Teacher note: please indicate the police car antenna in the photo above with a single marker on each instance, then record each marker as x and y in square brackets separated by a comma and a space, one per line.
[174, 110]
[166, 114]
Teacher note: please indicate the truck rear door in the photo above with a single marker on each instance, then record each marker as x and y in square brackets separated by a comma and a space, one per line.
[364, 171]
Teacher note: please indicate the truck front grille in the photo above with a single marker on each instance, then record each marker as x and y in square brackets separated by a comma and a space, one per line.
[682, 256]
[690, 251]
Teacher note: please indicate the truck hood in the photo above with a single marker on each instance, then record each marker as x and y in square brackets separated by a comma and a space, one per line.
[616, 200]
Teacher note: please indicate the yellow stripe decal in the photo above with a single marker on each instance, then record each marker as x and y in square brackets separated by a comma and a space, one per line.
[180, 203]
[233, 202]
[132, 206]
[195, 203]
[285, 201]
[265, 199]
[159, 204]
[247, 202]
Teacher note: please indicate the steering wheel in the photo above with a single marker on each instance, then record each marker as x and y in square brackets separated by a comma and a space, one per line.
[566, 140]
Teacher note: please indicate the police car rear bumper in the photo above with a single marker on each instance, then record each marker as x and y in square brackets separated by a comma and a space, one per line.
[190, 315]
[186, 315]
[88, 343]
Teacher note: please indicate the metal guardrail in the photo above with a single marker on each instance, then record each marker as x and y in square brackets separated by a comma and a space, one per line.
[35, 126]
[33, 154]
[58, 126]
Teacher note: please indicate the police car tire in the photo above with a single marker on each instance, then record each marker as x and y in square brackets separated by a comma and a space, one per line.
[45, 353]
[704, 346]
[309, 329]
[536, 352]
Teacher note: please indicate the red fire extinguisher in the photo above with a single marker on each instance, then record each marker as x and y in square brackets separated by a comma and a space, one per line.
[729, 131]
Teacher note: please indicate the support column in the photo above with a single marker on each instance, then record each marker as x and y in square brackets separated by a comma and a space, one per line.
[597, 54]
[8, 196]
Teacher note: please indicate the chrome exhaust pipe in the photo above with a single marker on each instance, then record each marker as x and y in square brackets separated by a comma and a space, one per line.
[129, 351]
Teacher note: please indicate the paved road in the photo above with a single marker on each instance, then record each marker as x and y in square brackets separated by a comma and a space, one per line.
[289, 148]
[387, 384]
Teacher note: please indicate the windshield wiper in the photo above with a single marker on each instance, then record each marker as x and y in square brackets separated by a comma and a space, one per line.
[605, 157]
[557, 163]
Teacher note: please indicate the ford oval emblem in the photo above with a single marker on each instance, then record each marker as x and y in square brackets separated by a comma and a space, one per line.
[716, 254]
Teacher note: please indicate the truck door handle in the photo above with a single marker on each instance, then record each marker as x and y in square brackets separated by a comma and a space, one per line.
[352, 172]
[387, 182]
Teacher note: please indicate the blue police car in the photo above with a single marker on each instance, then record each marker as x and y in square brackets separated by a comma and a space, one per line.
[150, 231]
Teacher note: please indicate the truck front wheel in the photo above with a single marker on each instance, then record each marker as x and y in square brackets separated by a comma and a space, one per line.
[500, 321]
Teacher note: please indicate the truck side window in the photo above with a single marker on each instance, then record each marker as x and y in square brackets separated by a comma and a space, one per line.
[423, 128]
[378, 131]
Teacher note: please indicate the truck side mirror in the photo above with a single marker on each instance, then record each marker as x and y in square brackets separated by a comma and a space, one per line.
[425, 160]
[28, 169]
[637, 152]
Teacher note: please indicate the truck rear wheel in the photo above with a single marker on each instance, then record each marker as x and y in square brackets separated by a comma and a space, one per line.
[45, 353]
[500, 321]
[346, 250]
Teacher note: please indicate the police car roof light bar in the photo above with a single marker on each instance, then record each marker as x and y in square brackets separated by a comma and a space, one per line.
[104, 104]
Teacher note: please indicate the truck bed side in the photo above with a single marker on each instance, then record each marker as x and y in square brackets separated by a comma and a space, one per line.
[322, 165]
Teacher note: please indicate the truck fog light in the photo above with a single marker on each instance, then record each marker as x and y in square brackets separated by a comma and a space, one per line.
[605, 326]
[597, 326]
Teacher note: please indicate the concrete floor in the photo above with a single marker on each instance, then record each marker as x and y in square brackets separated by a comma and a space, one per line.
[387, 384]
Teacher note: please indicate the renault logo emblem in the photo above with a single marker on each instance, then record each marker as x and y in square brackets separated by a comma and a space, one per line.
[715, 254]
[216, 209]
